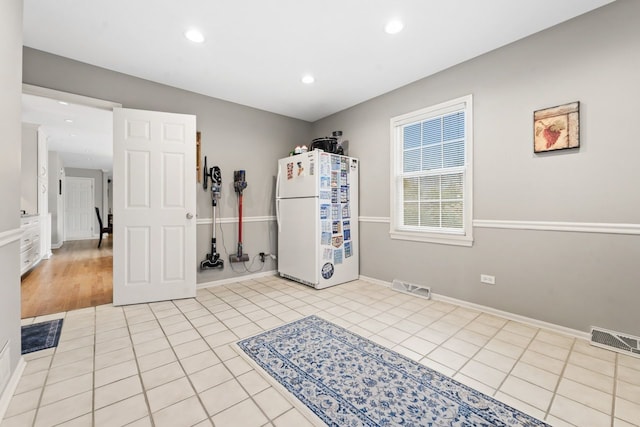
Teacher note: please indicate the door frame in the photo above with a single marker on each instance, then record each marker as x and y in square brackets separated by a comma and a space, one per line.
[82, 100]
[71, 98]
[75, 99]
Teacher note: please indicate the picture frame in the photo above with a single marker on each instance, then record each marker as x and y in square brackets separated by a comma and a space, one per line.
[556, 128]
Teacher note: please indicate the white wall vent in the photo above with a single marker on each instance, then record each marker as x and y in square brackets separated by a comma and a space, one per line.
[616, 341]
[410, 288]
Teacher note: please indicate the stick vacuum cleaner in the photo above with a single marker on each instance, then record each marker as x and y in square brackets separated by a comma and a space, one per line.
[239, 184]
[213, 259]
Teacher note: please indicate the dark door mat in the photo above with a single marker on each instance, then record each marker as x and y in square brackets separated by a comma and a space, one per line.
[41, 336]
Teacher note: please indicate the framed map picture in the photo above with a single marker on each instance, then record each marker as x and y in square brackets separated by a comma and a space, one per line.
[556, 128]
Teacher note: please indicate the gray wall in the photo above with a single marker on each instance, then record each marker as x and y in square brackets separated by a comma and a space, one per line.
[10, 129]
[569, 278]
[233, 137]
[97, 192]
[29, 169]
[55, 199]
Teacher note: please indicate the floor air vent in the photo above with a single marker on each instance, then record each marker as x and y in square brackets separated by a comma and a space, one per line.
[409, 288]
[616, 341]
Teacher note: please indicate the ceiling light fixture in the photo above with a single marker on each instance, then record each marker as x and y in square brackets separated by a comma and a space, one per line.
[68, 120]
[308, 79]
[63, 103]
[194, 35]
[394, 27]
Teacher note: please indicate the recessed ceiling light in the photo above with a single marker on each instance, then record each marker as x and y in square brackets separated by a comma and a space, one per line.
[195, 36]
[63, 103]
[73, 135]
[308, 79]
[394, 27]
[68, 120]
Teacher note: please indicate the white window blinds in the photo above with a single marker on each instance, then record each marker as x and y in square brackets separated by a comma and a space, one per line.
[431, 168]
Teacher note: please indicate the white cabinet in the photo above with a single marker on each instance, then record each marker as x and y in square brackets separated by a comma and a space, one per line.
[30, 242]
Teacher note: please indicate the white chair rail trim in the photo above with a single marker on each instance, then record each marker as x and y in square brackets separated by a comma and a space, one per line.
[232, 220]
[9, 236]
[578, 227]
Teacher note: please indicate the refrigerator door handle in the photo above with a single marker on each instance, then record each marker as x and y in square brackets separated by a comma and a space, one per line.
[278, 199]
[278, 183]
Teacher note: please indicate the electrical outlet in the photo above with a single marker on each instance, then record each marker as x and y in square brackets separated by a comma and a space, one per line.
[489, 280]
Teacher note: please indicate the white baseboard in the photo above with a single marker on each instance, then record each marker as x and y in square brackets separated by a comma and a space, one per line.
[375, 281]
[490, 310]
[56, 245]
[7, 394]
[236, 279]
[516, 317]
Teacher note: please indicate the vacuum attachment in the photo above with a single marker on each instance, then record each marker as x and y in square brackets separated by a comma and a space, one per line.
[239, 257]
[212, 261]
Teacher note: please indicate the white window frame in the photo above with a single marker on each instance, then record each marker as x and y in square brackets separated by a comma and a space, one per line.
[401, 232]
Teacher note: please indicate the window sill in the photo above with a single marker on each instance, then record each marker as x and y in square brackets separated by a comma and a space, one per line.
[441, 239]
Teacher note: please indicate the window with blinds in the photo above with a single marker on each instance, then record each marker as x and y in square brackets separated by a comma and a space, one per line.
[432, 179]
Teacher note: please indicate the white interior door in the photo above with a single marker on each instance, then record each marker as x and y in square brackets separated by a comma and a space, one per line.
[154, 202]
[79, 212]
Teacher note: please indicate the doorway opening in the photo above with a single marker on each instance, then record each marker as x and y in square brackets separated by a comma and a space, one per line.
[75, 171]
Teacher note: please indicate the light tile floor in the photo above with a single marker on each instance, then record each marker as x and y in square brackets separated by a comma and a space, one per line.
[173, 364]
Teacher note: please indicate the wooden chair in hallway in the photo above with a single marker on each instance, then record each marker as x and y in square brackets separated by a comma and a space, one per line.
[103, 229]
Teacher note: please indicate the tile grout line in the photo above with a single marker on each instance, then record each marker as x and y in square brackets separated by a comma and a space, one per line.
[234, 376]
[233, 295]
[135, 358]
[93, 374]
[186, 375]
[244, 388]
[515, 363]
[469, 359]
[55, 351]
[196, 393]
[615, 389]
[560, 377]
[440, 345]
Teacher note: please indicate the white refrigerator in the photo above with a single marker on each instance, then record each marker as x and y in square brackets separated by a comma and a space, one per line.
[317, 215]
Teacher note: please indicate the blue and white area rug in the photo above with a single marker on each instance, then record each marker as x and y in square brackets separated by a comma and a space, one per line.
[348, 380]
[40, 336]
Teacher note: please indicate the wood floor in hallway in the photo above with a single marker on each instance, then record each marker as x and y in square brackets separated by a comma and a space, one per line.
[78, 275]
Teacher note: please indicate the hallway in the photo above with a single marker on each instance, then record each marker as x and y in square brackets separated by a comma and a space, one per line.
[78, 275]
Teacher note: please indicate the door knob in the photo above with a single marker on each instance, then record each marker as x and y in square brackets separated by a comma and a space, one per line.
[189, 215]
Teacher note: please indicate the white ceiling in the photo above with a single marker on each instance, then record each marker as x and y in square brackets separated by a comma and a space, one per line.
[256, 51]
[85, 143]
